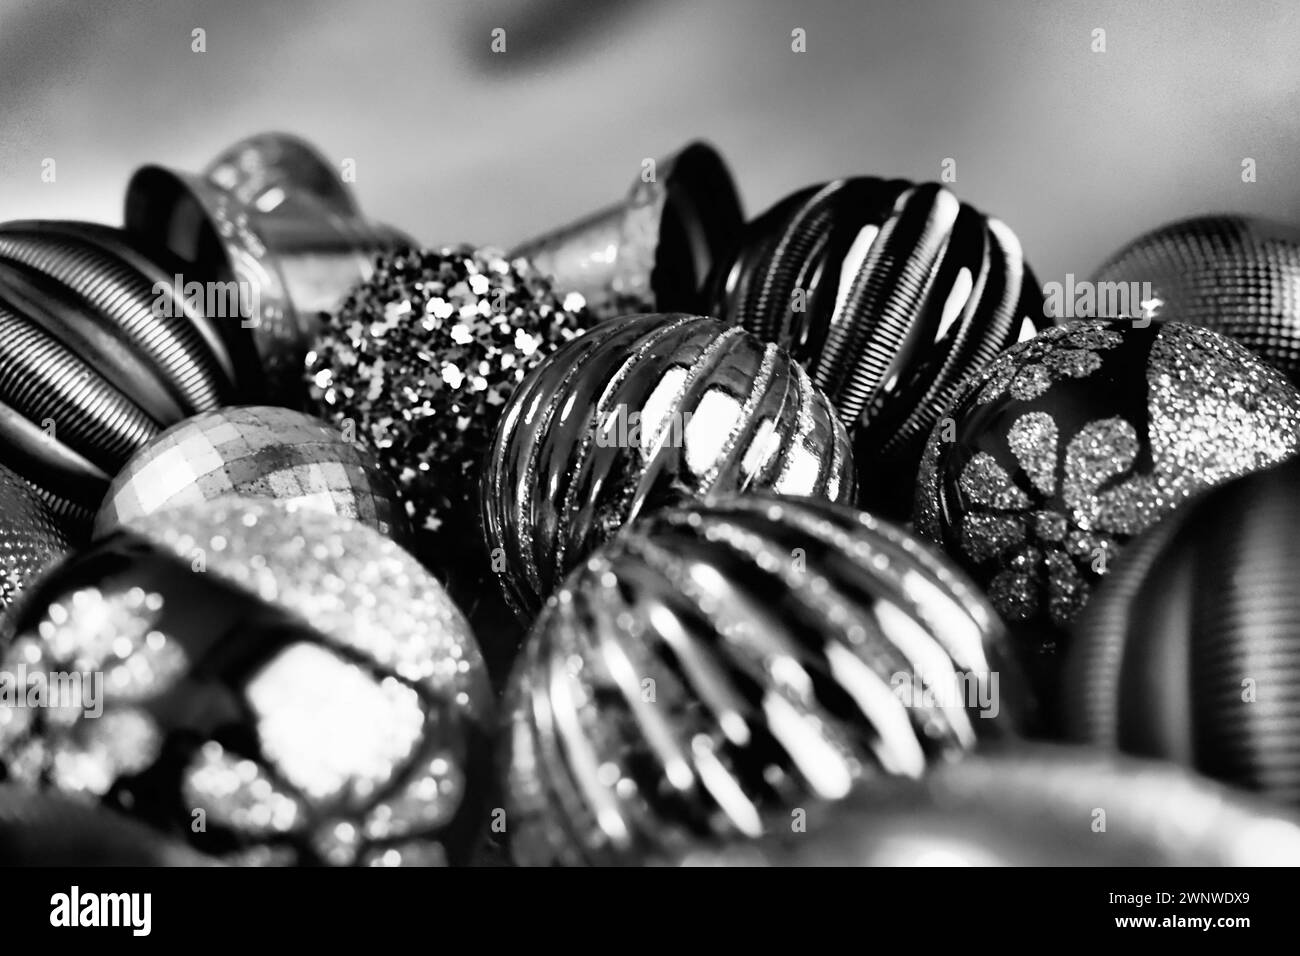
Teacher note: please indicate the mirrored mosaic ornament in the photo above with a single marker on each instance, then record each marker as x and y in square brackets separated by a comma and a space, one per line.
[1068, 445]
[721, 661]
[642, 412]
[257, 452]
[31, 539]
[271, 684]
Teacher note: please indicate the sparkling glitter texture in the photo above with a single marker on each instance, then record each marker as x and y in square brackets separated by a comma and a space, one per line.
[31, 538]
[335, 704]
[1073, 442]
[420, 359]
[740, 656]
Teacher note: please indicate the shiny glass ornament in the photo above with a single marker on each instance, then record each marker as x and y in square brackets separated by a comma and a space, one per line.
[31, 539]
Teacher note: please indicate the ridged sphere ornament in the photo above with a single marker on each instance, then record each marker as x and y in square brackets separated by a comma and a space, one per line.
[746, 655]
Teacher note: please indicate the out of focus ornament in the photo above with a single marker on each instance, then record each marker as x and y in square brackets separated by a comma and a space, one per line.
[1070, 444]
[743, 655]
[256, 452]
[891, 293]
[1191, 651]
[271, 223]
[1031, 806]
[1234, 274]
[31, 539]
[654, 250]
[642, 412]
[272, 684]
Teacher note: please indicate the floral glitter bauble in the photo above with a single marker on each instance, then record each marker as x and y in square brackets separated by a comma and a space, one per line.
[749, 653]
[421, 358]
[1029, 806]
[1191, 650]
[1234, 274]
[255, 452]
[891, 293]
[293, 680]
[643, 412]
[31, 538]
[1060, 451]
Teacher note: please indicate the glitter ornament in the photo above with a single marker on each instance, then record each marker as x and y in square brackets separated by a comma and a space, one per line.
[293, 680]
[1031, 806]
[31, 539]
[741, 655]
[1234, 274]
[1068, 445]
[643, 412]
[421, 359]
[1191, 650]
[257, 452]
[891, 293]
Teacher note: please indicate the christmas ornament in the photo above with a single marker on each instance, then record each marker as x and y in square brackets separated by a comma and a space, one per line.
[891, 293]
[743, 654]
[653, 251]
[639, 413]
[257, 452]
[31, 538]
[1031, 806]
[422, 358]
[274, 222]
[274, 684]
[1068, 445]
[1191, 650]
[1234, 274]
[97, 356]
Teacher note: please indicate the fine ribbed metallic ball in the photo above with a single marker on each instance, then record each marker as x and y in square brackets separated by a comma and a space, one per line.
[1191, 651]
[1235, 274]
[294, 681]
[642, 412]
[1031, 806]
[31, 539]
[255, 452]
[743, 655]
[891, 293]
[1071, 443]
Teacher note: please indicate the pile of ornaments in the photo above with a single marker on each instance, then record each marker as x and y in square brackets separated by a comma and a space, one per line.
[803, 540]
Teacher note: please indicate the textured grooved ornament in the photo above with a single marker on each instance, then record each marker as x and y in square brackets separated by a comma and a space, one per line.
[31, 539]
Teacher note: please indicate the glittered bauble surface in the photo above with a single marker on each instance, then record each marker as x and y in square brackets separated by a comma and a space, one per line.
[31, 538]
[891, 293]
[256, 452]
[746, 654]
[639, 413]
[294, 679]
[1234, 274]
[1191, 650]
[1032, 806]
[422, 358]
[1068, 445]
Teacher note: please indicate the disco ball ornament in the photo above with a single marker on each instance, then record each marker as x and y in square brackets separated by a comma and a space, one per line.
[1030, 806]
[1068, 445]
[642, 412]
[256, 452]
[421, 359]
[269, 683]
[746, 654]
[1234, 274]
[891, 293]
[31, 539]
[1191, 650]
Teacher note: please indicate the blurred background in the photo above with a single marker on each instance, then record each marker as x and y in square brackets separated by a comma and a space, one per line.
[1077, 150]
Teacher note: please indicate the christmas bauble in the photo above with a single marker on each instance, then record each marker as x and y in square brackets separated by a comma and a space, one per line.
[1031, 806]
[747, 653]
[891, 293]
[272, 684]
[1068, 445]
[257, 452]
[31, 539]
[1235, 274]
[1191, 650]
[422, 358]
[642, 412]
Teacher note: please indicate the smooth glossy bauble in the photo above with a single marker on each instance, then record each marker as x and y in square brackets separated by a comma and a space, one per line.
[293, 679]
[643, 412]
[742, 655]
